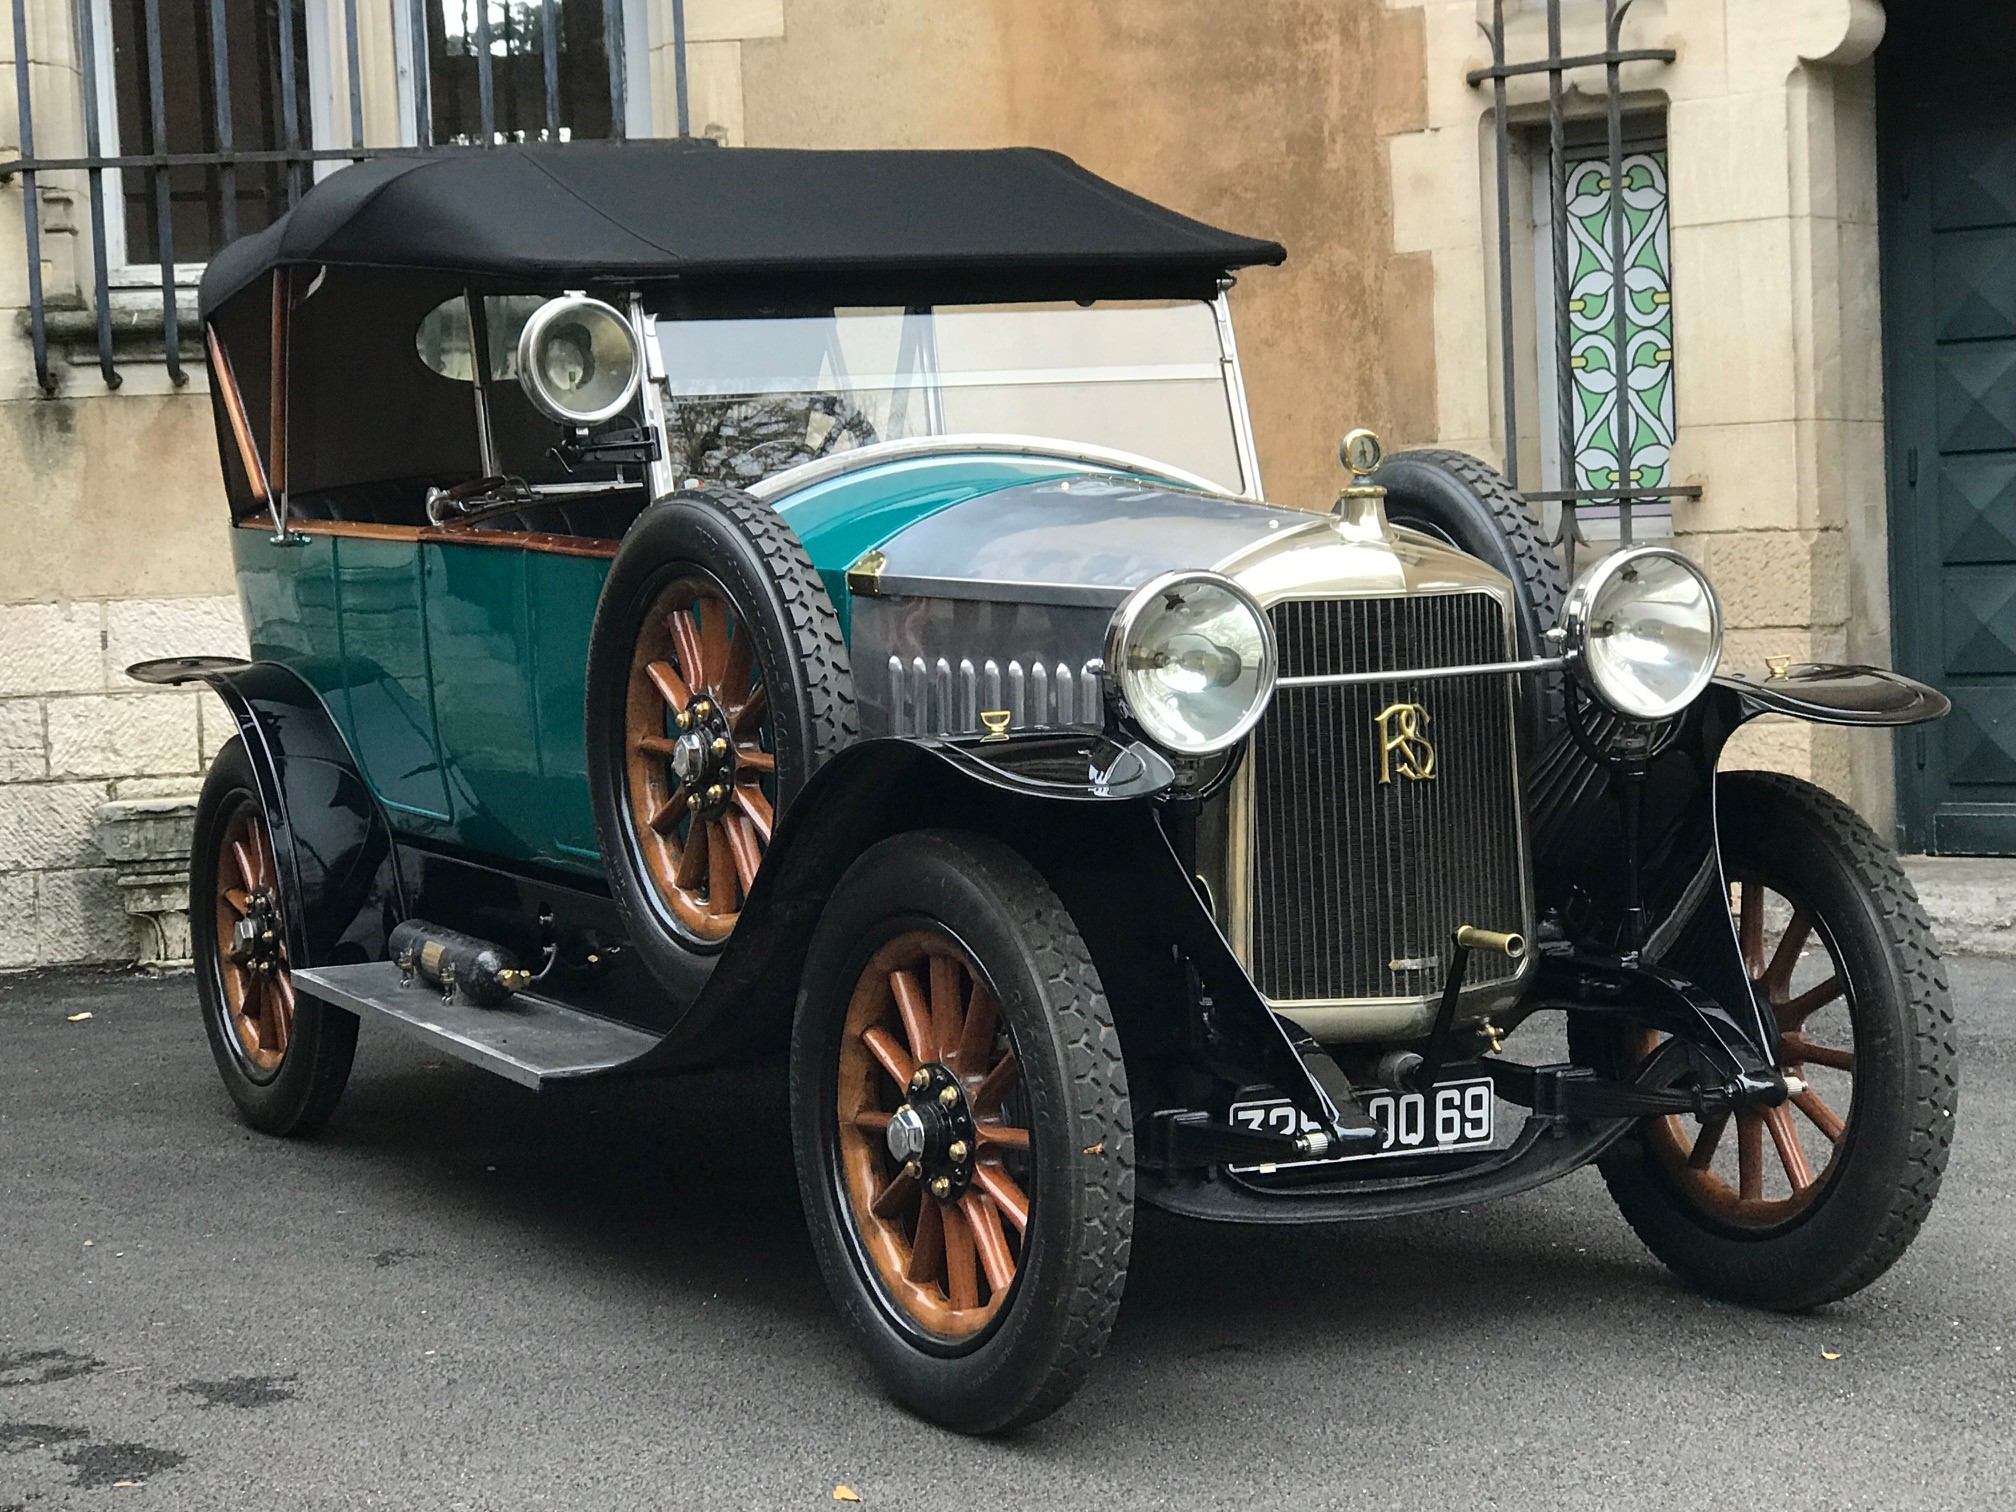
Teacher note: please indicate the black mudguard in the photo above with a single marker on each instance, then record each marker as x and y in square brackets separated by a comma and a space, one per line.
[1579, 851]
[1097, 841]
[330, 838]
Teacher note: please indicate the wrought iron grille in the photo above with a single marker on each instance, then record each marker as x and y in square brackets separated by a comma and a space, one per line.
[289, 163]
[1561, 165]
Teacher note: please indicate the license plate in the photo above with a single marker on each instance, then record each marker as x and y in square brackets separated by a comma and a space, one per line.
[1456, 1116]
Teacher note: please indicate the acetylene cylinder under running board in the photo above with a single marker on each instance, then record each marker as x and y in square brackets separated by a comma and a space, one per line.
[484, 973]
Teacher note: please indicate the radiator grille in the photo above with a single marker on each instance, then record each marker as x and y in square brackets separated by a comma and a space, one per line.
[1357, 885]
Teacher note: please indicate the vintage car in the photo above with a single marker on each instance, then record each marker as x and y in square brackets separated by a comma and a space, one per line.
[724, 606]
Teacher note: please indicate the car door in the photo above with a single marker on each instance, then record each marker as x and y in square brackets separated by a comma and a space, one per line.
[508, 616]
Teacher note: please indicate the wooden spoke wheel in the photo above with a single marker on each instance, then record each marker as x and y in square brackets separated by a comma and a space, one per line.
[933, 1148]
[1769, 1165]
[251, 939]
[1807, 1202]
[700, 765]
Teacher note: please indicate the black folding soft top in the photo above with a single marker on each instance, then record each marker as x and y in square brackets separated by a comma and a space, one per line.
[915, 226]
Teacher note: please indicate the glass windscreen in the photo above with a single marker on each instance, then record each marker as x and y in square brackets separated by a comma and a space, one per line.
[749, 398]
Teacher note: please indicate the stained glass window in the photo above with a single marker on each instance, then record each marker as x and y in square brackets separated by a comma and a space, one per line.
[1641, 408]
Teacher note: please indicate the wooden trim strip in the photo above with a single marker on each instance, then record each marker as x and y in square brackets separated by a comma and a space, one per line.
[524, 540]
[234, 408]
[540, 541]
[358, 529]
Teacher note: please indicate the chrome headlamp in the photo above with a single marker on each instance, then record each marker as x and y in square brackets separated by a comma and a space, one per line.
[1190, 659]
[578, 360]
[1644, 631]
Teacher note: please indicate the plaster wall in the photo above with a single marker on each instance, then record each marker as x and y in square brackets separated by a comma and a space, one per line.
[1769, 114]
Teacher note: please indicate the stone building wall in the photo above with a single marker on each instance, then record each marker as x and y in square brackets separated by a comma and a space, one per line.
[1769, 118]
[1344, 128]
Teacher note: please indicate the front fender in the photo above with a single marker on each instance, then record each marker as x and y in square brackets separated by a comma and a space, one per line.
[1078, 809]
[330, 838]
[1579, 850]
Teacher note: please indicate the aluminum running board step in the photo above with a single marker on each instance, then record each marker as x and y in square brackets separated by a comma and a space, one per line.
[528, 1039]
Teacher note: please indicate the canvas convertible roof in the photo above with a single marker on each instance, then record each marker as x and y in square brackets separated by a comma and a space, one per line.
[923, 226]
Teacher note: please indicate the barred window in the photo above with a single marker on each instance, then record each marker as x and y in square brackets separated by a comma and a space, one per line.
[549, 69]
[176, 107]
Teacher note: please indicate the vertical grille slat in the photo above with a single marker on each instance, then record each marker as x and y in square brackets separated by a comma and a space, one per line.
[1352, 876]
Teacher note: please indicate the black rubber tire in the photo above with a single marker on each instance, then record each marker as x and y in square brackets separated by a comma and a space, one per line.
[296, 1099]
[1055, 1324]
[1467, 504]
[748, 549]
[1809, 845]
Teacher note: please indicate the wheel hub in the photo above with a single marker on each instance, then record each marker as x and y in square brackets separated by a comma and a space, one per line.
[934, 1132]
[255, 938]
[703, 757]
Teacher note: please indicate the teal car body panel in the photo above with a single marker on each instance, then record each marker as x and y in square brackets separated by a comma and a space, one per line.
[460, 670]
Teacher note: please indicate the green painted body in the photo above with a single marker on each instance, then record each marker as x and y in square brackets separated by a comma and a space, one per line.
[457, 673]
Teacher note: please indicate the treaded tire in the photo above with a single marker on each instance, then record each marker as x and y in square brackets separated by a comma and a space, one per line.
[1467, 504]
[1811, 846]
[1055, 1322]
[745, 548]
[297, 1098]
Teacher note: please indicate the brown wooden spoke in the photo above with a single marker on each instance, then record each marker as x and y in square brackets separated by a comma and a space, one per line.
[1750, 927]
[995, 1086]
[1703, 1153]
[948, 1263]
[1001, 1137]
[1825, 1119]
[889, 1055]
[1782, 1155]
[258, 992]
[694, 666]
[1792, 1012]
[756, 810]
[999, 1185]
[1750, 1157]
[996, 1259]
[1777, 976]
[1800, 1051]
[914, 1012]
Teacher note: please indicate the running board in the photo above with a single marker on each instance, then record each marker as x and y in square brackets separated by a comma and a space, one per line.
[528, 1039]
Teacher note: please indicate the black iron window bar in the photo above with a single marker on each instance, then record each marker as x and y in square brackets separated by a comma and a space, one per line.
[1557, 67]
[227, 159]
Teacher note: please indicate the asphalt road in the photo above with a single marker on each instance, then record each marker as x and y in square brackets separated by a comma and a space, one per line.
[461, 1296]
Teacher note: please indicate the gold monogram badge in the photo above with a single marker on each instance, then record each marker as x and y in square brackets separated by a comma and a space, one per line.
[1402, 746]
[996, 721]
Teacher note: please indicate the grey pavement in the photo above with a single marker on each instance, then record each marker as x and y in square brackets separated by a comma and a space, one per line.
[462, 1296]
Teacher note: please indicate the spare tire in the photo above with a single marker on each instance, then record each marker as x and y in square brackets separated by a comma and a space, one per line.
[718, 682]
[1467, 504]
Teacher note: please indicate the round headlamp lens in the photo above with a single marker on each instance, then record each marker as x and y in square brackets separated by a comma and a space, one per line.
[1648, 631]
[1192, 661]
[578, 360]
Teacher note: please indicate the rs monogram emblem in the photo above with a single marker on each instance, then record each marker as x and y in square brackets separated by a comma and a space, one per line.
[1403, 748]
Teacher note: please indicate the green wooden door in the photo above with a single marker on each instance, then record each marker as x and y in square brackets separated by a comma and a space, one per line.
[1947, 127]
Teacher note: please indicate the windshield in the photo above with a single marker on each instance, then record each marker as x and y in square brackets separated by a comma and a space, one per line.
[748, 398]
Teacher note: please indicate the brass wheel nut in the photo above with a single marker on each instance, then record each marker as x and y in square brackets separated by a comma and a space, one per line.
[693, 802]
[720, 745]
[958, 1150]
[912, 1169]
[941, 1186]
[920, 1079]
[949, 1096]
[683, 719]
